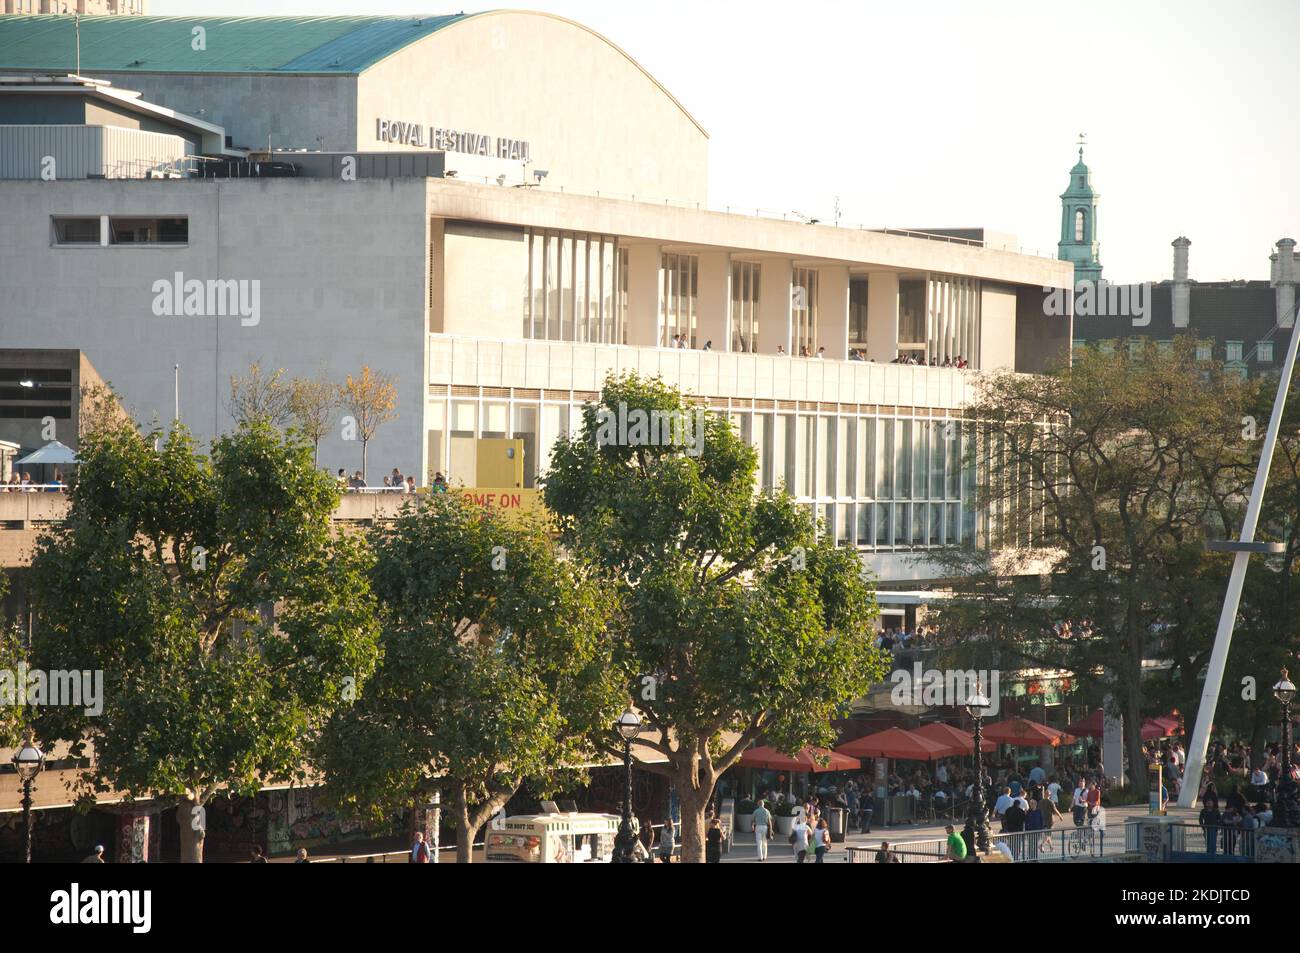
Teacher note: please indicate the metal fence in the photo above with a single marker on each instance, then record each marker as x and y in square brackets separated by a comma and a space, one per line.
[1067, 843]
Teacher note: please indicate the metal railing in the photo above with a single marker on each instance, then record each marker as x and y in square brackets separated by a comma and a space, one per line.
[1068, 843]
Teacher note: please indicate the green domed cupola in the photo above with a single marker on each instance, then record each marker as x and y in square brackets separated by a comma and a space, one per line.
[1078, 242]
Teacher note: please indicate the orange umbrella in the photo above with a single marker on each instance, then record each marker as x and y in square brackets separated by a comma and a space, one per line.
[897, 743]
[1026, 734]
[946, 734]
[809, 759]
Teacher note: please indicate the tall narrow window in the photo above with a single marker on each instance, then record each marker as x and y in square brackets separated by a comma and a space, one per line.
[744, 306]
[803, 309]
[679, 275]
[1079, 223]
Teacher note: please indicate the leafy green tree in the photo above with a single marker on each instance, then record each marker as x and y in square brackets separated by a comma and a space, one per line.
[495, 669]
[1099, 483]
[735, 619]
[228, 620]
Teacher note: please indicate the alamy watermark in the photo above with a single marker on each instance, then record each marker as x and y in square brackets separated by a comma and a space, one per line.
[1101, 299]
[953, 687]
[38, 688]
[215, 297]
[655, 428]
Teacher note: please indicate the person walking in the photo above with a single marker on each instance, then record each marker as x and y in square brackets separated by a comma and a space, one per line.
[799, 839]
[762, 825]
[667, 841]
[419, 850]
[821, 840]
[1079, 803]
[713, 843]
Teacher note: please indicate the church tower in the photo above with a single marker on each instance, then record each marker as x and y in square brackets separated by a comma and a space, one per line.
[1078, 242]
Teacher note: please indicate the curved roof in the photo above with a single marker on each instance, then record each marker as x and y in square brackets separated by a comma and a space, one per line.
[232, 44]
[329, 45]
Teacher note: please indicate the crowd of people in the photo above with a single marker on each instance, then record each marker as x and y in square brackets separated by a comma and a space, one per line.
[958, 362]
[393, 483]
[23, 483]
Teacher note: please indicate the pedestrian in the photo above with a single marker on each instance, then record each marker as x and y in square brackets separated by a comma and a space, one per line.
[258, 857]
[667, 840]
[956, 845]
[1079, 803]
[885, 855]
[799, 838]
[762, 829]
[419, 850]
[302, 856]
[713, 843]
[821, 840]
[410, 484]
[97, 857]
[866, 807]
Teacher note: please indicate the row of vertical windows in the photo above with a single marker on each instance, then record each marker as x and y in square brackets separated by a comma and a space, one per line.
[877, 482]
[576, 288]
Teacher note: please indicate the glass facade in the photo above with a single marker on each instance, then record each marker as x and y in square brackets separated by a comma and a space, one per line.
[877, 482]
[576, 288]
[858, 312]
[745, 280]
[803, 311]
[679, 297]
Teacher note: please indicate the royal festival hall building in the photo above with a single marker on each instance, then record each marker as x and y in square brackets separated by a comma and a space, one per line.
[498, 210]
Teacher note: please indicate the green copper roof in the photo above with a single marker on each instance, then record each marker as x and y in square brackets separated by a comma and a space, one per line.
[233, 44]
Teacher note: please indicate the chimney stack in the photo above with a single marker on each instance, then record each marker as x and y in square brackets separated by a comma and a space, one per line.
[1285, 283]
[1182, 290]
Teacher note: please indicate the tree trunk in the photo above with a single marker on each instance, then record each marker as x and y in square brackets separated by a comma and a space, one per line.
[465, 829]
[693, 803]
[1137, 764]
[191, 817]
[365, 447]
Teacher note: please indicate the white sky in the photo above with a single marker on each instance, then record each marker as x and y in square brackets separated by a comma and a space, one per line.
[927, 113]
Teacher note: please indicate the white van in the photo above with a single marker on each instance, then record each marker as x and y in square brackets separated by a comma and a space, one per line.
[553, 839]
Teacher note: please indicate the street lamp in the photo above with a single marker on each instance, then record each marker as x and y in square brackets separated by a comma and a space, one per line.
[628, 727]
[28, 761]
[977, 822]
[1286, 811]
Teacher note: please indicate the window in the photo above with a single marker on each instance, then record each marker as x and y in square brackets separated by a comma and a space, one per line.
[803, 309]
[679, 276]
[1234, 350]
[76, 231]
[1078, 344]
[1165, 347]
[1107, 347]
[858, 312]
[148, 231]
[1264, 352]
[745, 277]
[577, 287]
[1204, 352]
[1080, 222]
[1135, 347]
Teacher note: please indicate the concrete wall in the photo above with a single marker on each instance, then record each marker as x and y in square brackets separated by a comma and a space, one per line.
[299, 112]
[593, 118]
[997, 318]
[343, 283]
[1042, 340]
[484, 278]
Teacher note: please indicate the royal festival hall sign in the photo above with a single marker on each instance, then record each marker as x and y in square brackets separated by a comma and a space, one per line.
[451, 140]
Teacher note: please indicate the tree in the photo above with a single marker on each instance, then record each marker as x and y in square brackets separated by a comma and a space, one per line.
[1098, 483]
[371, 400]
[260, 397]
[227, 619]
[495, 669]
[312, 401]
[735, 619]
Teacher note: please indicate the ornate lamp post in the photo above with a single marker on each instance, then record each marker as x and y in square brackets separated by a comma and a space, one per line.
[977, 822]
[28, 760]
[628, 727]
[1287, 810]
